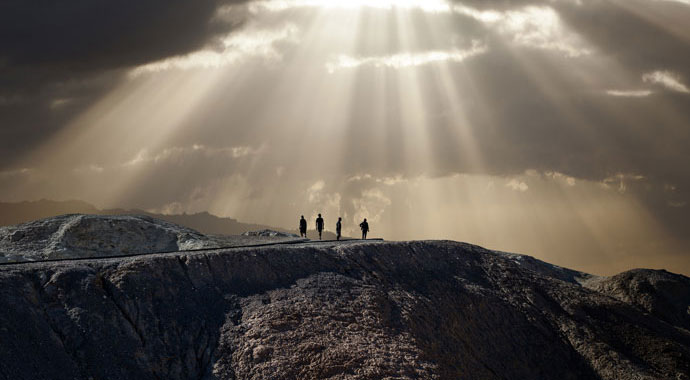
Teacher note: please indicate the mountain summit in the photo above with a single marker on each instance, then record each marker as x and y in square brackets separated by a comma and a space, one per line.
[348, 310]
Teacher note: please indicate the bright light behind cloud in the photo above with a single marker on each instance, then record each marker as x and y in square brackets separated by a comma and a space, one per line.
[235, 47]
[541, 27]
[402, 60]
[531, 26]
[279, 5]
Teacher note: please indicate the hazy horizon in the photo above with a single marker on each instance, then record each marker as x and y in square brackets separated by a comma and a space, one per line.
[554, 128]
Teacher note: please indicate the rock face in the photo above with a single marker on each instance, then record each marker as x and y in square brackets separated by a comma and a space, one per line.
[73, 236]
[356, 310]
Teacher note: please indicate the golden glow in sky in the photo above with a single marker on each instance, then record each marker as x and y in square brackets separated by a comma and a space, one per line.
[520, 127]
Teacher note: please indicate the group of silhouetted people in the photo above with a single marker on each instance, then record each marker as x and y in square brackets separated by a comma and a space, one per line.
[364, 226]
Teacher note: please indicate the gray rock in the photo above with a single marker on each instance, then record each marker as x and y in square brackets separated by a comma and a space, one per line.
[74, 236]
[356, 310]
[269, 233]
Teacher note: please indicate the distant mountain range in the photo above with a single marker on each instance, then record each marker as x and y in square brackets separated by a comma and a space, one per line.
[20, 212]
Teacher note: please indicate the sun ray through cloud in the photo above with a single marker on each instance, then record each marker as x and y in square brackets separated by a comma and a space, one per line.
[509, 124]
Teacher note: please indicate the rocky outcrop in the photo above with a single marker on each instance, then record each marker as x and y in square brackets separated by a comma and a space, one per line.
[76, 235]
[355, 310]
[83, 236]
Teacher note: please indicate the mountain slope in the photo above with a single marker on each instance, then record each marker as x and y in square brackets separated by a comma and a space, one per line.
[356, 310]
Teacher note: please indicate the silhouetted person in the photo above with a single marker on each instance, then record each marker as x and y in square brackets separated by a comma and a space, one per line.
[319, 225]
[365, 228]
[303, 227]
[338, 228]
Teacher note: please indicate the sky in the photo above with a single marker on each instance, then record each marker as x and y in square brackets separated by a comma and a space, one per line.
[554, 128]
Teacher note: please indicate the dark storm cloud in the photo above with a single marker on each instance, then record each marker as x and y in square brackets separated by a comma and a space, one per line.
[57, 57]
[643, 35]
[101, 34]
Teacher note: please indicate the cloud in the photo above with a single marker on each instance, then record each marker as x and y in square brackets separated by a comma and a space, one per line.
[281, 5]
[629, 93]
[621, 181]
[517, 185]
[234, 47]
[568, 180]
[541, 28]
[537, 27]
[89, 169]
[81, 50]
[183, 153]
[671, 81]
[372, 204]
[532, 26]
[12, 174]
[60, 102]
[101, 34]
[686, 2]
[403, 60]
[314, 191]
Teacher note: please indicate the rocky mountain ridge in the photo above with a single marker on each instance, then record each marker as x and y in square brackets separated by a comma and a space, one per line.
[353, 310]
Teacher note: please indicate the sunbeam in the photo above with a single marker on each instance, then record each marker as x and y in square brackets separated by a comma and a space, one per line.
[555, 128]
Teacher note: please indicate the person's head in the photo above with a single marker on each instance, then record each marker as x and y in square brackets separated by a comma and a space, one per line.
[339, 218]
[319, 215]
[302, 216]
[365, 219]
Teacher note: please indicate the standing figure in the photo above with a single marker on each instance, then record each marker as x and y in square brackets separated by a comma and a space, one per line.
[338, 228]
[303, 227]
[365, 228]
[319, 225]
